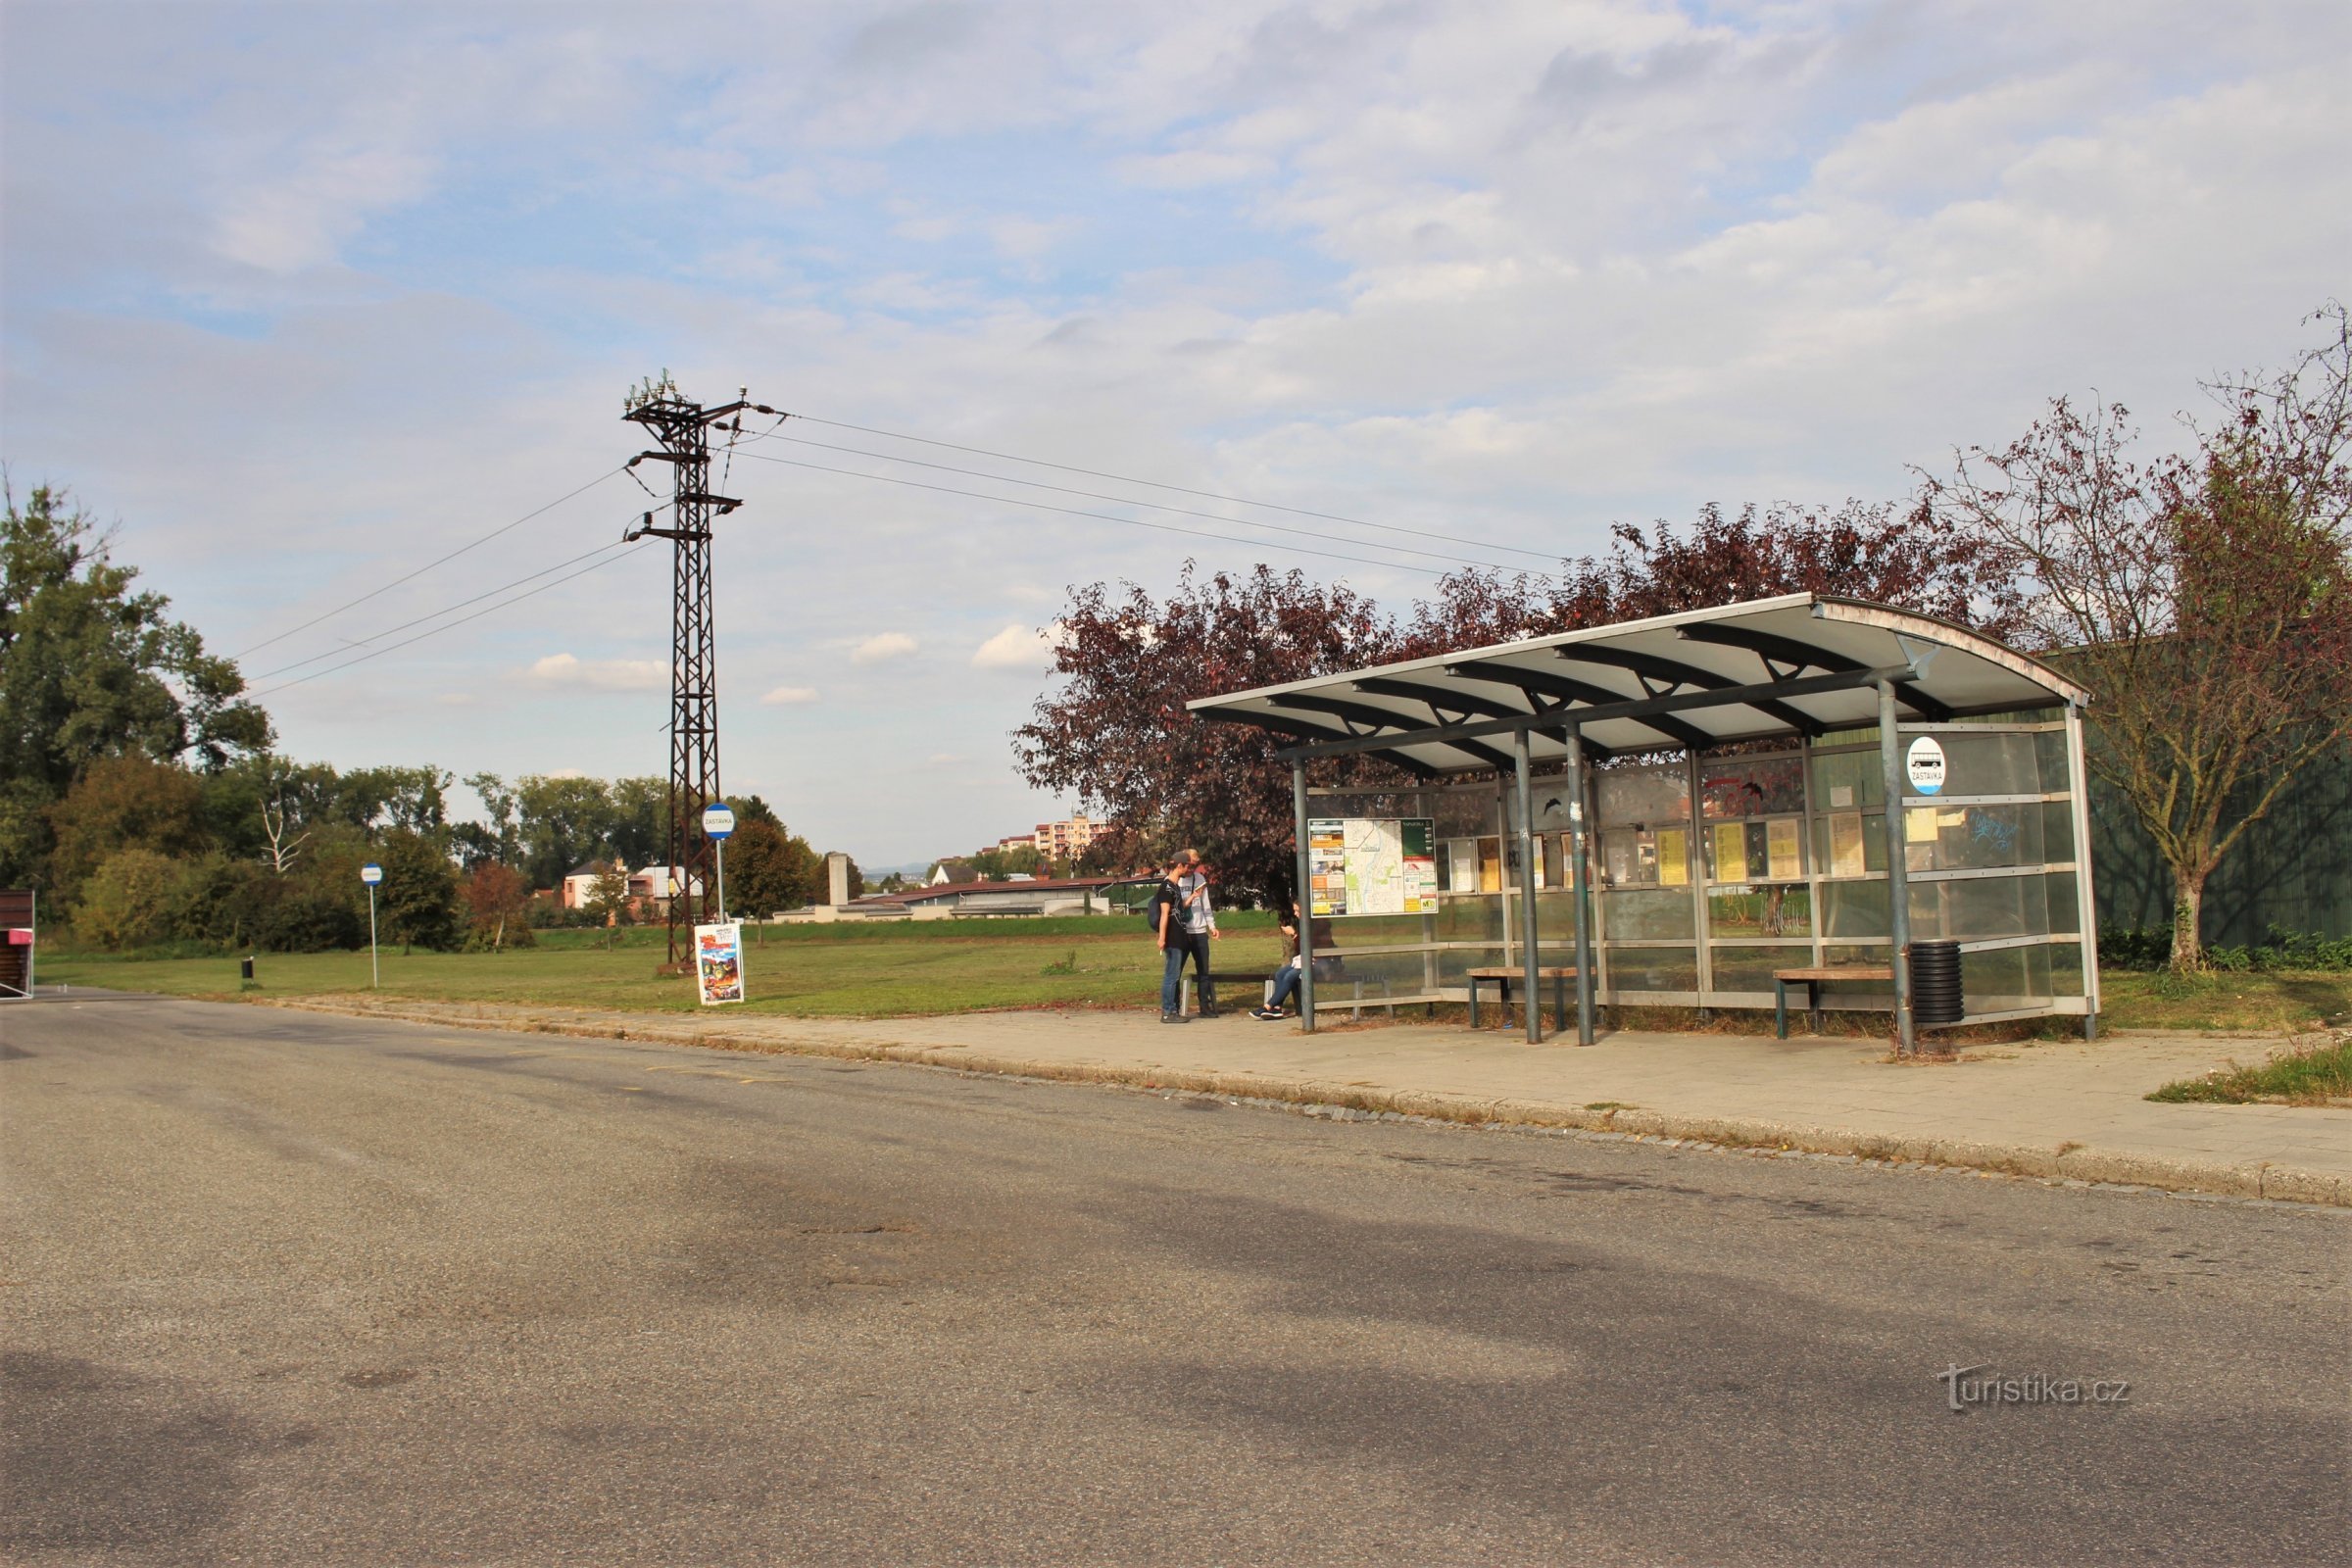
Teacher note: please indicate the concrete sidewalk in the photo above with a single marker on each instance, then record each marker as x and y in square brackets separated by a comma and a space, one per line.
[2067, 1110]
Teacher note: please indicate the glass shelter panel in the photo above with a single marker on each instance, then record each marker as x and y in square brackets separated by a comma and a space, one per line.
[1708, 873]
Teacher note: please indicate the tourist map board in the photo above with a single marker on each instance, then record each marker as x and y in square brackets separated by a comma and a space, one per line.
[1372, 865]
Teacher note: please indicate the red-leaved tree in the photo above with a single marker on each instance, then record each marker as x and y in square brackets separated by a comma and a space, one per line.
[1115, 731]
[1860, 551]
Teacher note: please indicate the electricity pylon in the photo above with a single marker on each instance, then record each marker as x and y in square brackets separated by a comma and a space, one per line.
[682, 428]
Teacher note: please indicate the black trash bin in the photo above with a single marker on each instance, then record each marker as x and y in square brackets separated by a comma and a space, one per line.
[1936, 994]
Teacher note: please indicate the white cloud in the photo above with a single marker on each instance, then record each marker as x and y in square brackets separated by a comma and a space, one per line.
[882, 647]
[788, 696]
[1016, 647]
[1506, 272]
[601, 674]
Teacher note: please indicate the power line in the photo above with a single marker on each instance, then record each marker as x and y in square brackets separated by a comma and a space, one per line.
[1096, 495]
[1075, 512]
[438, 630]
[430, 565]
[363, 642]
[1209, 495]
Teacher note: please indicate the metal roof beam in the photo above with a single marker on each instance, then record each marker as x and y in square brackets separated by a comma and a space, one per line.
[1570, 689]
[1353, 713]
[1312, 733]
[1673, 672]
[1774, 648]
[1644, 710]
[1441, 700]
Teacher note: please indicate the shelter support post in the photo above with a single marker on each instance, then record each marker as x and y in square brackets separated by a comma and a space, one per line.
[1899, 888]
[1577, 857]
[1528, 864]
[2086, 905]
[1306, 901]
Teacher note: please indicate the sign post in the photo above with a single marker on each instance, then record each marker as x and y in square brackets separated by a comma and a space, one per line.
[373, 873]
[718, 822]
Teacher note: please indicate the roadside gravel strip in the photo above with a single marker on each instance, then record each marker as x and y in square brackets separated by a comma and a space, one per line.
[883, 1041]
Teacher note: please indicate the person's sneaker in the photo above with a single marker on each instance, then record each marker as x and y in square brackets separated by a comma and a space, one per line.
[1269, 1015]
[1210, 1013]
[1174, 1017]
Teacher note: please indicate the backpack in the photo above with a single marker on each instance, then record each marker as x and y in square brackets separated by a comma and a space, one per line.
[1164, 895]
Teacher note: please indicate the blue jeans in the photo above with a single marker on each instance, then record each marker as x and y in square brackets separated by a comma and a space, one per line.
[1181, 946]
[1286, 986]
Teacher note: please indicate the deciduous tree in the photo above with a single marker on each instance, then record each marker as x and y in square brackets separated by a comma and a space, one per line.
[91, 667]
[417, 901]
[499, 900]
[1116, 732]
[2204, 596]
[126, 802]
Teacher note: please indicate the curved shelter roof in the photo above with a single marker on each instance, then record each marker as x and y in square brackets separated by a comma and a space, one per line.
[1800, 665]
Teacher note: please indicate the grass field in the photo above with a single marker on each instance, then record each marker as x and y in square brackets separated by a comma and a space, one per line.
[860, 970]
[808, 971]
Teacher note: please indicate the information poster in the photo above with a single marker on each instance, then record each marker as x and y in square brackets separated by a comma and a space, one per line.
[1786, 864]
[1730, 852]
[1371, 865]
[1846, 844]
[1674, 857]
[718, 962]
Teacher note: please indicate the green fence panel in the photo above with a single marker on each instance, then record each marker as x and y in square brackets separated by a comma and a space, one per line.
[2293, 869]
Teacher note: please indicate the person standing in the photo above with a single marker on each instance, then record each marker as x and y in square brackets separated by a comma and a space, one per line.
[1199, 921]
[1174, 938]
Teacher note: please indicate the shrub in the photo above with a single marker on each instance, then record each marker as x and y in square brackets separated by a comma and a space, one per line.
[133, 898]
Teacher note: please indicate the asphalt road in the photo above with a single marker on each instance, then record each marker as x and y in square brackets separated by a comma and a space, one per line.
[288, 1288]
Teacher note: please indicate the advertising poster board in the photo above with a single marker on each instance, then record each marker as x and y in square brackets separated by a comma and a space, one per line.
[1372, 865]
[718, 962]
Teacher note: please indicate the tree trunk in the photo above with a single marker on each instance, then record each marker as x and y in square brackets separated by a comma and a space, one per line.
[2188, 902]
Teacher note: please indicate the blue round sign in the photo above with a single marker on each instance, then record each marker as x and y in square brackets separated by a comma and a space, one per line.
[719, 821]
[372, 873]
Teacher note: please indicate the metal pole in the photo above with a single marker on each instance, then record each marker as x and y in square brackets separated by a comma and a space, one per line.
[720, 848]
[1577, 880]
[1306, 901]
[1534, 962]
[376, 977]
[1898, 884]
[2087, 912]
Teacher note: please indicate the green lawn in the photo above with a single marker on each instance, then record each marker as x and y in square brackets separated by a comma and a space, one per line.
[899, 970]
[839, 970]
[2257, 1002]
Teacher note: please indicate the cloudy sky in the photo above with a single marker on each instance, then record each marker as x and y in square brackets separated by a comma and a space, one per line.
[307, 296]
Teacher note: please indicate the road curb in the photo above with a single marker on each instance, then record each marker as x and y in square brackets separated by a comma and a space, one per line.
[2067, 1162]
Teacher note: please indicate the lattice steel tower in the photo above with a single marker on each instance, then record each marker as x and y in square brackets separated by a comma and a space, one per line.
[683, 429]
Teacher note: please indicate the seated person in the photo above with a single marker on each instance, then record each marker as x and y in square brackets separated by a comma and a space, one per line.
[1286, 979]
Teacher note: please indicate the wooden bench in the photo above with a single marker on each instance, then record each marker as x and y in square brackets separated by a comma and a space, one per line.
[1263, 979]
[1328, 972]
[1813, 980]
[1502, 979]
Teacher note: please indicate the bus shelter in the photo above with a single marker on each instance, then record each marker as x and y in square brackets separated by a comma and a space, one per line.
[1676, 808]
